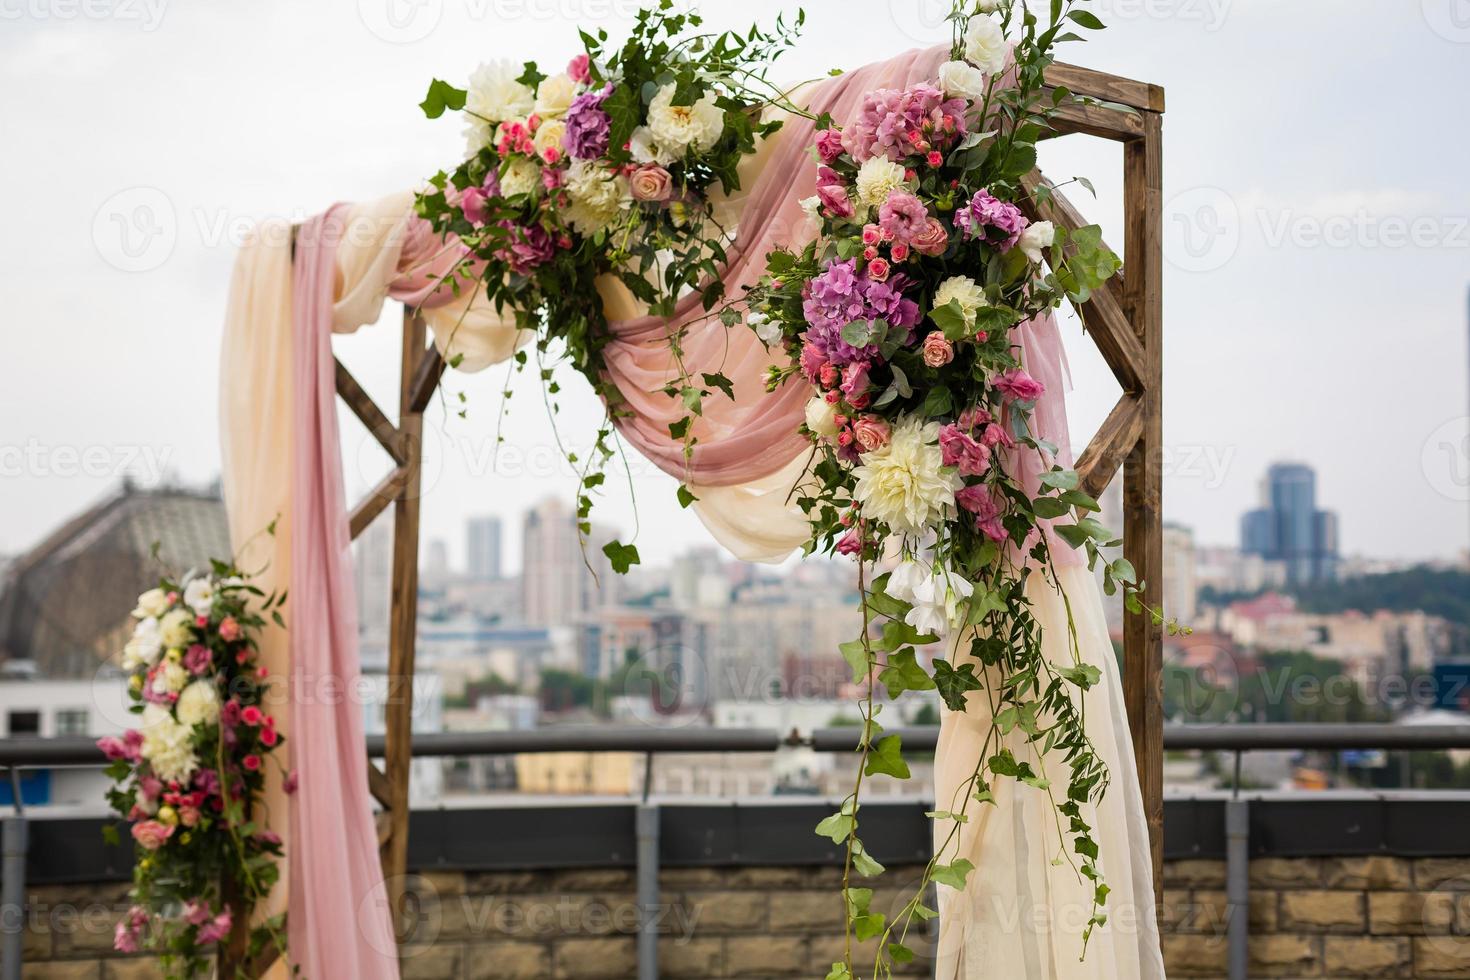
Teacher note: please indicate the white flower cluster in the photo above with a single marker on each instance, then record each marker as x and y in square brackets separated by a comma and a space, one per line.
[937, 595]
[674, 129]
[986, 53]
[168, 744]
[598, 197]
[905, 483]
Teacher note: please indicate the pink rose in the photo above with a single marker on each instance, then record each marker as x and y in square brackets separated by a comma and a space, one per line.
[978, 501]
[959, 450]
[289, 784]
[651, 182]
[579, 68]
[1020, 385]
[229, 629]
[834, 199]
[996, 435]
[850, 544]
[251, 715]
[829, 145]
[151, 835]
[114, 749]
[937, 350]
[872, 234]
[855, 379]
[973, 418]
[899, 251]
[877, 269]
[812, 362]
[932, 239]
[871, 433]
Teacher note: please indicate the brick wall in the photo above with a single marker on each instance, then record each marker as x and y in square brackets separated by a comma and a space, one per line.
[1316, 917]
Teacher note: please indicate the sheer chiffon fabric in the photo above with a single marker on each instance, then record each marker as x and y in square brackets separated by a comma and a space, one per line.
[1021, 915]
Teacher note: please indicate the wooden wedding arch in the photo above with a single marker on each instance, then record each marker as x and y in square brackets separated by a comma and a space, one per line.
[1124, 318]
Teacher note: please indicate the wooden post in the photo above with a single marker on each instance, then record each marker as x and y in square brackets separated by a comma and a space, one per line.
[1143, 472]
[403, 618]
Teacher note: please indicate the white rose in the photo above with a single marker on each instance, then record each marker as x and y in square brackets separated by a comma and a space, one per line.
[960, 79]
[1036, 238]
[988, 6]
[495, 95]
[176, 629]
[198, 704]
[963, 290]
[554, 95]
[144, 646]
[876, 178]
[643, 149]
[985, 45]
[151, 604]
[199, 596]
[821, 417]
[548, 138]
[675, 128]
[812, 207]
[521, 176]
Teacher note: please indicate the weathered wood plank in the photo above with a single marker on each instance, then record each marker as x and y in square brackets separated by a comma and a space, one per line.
[1143, 476]
[1114, 440]
[1111, 88]
[1103, 122]
[430, 368]
[368, 413]
[378, 785]
[377, 500]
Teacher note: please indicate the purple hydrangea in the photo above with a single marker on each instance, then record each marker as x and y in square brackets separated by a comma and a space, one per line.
[991, 220]
[588, 126]
[889, 120]
[841, 295]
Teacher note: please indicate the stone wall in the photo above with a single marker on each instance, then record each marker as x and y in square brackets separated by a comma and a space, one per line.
[1315, 917]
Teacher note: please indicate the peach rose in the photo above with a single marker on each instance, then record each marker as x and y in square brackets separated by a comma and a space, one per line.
[871, 433]
[932, 239]
[937, 350]
[651, 182]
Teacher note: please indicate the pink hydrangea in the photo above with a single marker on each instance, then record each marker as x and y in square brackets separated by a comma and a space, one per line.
[895, 124]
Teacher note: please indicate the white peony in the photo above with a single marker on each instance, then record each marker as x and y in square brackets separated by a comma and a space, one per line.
[960, 79]
[644, 149]
[176, 629]
[476, 136]
[199, 595]
[964, 290]
[876, 178]
[675, 128]
[554, 95]
[152, 603]
[495, 95]
[1036, 238]
[598, 196]
[198, 704]
[938, 603]
[548, 137]
[520, 176]
[167, 745]
[905, 484]
[144, 647]
[985, 46]
[821, 417]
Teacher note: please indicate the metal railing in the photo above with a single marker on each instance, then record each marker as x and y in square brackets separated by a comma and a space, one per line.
[18, 754]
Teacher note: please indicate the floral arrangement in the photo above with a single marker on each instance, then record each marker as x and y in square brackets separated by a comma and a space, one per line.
[189, 778]
[899, 315]
[606, 167]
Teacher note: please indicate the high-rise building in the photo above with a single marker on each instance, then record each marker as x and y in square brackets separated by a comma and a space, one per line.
[557, 584]
[1289, 528]
[482, 548]
[1179, 573]
[372, 559]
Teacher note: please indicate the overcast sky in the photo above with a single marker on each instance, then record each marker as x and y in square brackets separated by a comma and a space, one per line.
[1316, 229]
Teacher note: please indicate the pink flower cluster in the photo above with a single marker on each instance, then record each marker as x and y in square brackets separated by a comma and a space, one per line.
[991, 220]
[895, 124]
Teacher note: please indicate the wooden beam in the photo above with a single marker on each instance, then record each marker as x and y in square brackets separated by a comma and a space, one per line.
[418, 375]
[425, 379]
[1106, 122]
[368, 413]
[1114, 440]
[1102, 315]
[1109, 88]
[389, 489]
[1143, 476]
[379, 786]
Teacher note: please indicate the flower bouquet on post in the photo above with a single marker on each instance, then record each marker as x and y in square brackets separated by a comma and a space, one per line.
[189, 778]
[904, 317]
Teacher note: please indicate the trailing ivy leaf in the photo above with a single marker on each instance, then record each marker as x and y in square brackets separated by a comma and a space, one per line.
[839, 971]
[721, 382]
[946, 815]
[953, 875]
[865, 927]
[1083, 675]
[1049, 507]
[685, 496]
[886, 758]
[954, 684]
[838, 827]
[924, 912]
[679, 429]
[903, 673]
[900, 953]
[856, 655]
[442, 96]
[983, 603]
[531, 77]
[863, 862]
[622, 556]
[951, 319]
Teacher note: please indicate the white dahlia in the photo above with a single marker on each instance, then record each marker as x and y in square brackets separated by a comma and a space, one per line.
[521, 176]
[876, 178]
[495, 95]
[675, 128]
[198, 704]
[905, 484]
[176, 629]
